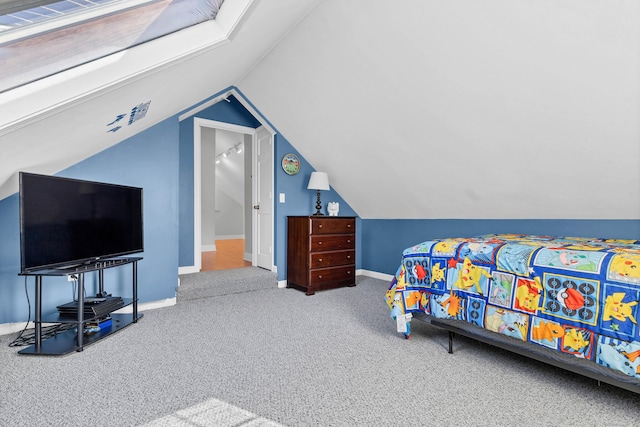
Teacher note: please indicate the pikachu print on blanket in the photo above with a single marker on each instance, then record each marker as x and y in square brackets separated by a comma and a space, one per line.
[470, 276]
[625, 267]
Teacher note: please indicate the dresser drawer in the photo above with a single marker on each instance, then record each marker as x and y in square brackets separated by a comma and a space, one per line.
[328, 259]
[332, 226]
[345, 274]
[333, 242]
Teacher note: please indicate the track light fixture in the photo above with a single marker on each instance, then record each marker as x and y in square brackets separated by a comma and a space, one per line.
[237, 148]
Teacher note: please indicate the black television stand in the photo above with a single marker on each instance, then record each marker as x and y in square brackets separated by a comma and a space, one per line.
[75, 339]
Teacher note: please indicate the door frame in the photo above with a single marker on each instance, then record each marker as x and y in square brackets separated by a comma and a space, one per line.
[198, 124]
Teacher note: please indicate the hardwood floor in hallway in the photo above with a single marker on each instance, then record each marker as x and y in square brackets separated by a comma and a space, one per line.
[228, 254]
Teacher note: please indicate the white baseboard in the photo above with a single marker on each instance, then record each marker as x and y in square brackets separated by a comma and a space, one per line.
[10, 328]
[230, 237]
[368, 273]
[208, 248]
[188, 269]
[151, 305]
[375, 275]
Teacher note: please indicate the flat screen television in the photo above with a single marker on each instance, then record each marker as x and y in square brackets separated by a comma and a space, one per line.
[68, 222]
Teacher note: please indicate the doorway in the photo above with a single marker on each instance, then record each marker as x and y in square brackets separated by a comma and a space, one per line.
[247, 191]
[226, 194]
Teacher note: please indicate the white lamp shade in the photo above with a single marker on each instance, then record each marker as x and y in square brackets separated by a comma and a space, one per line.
[318, 181]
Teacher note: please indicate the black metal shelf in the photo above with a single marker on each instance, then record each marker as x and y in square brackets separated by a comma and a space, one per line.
[75, 339]
[67, 342]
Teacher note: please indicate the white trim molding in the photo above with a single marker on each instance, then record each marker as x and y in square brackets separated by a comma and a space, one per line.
[188, 270]
[375, 275]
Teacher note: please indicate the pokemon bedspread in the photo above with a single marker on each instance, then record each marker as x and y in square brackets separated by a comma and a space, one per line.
[576, 295]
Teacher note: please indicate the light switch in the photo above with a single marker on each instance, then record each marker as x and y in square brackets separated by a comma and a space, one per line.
[281, 197]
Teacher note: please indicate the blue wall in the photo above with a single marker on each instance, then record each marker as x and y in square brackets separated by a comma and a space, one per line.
[384, 240]
[13, 304]
[147, 160]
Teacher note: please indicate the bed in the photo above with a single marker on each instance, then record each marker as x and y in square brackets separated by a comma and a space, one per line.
[568, 301]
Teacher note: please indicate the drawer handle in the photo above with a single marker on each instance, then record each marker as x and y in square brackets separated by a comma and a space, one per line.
[348, 257]
[319, 276]
[348, 225]
[319, 259]
[319, 225]
[349, 272]
[320, 242]
[349, 241]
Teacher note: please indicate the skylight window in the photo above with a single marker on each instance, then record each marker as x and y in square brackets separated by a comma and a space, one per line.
[41, 38]
[18, 16]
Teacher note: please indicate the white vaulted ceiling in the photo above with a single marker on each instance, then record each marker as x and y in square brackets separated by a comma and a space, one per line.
[427, 109]
[465, 109]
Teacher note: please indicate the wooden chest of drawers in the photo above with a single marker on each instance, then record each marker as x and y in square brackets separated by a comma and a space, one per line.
[321, 252]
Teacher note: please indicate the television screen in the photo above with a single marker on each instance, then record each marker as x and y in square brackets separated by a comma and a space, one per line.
[66, 222]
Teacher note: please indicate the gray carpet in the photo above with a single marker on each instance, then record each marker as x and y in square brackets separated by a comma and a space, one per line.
[224, 282]
[269, 356]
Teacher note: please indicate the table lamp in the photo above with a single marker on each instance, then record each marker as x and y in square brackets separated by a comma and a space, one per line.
[318, 181]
